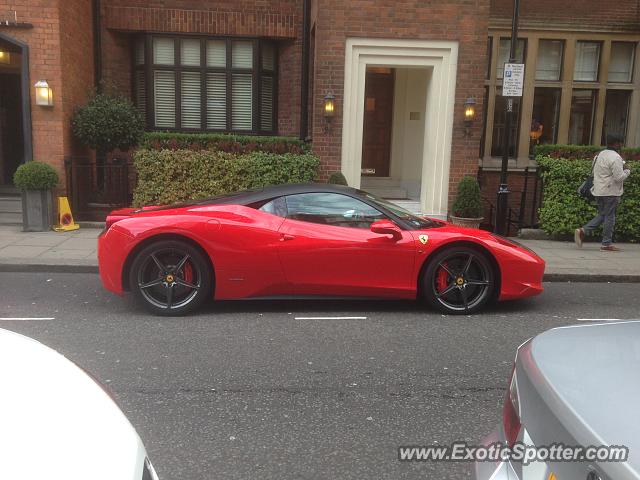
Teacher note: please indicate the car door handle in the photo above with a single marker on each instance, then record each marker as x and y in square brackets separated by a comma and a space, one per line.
[285, 236]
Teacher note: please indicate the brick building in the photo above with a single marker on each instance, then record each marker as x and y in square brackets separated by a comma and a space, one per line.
[400, 73]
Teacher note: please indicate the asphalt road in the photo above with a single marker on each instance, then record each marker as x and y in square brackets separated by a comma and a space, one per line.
[244, 390]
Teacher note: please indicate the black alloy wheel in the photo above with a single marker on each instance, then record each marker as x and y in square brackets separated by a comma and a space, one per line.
[459, 280]
[170, 277]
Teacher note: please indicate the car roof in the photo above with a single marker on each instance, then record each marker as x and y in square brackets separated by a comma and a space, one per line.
[248, 197]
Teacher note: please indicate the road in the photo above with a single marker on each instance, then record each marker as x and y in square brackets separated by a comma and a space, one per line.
[247, 390]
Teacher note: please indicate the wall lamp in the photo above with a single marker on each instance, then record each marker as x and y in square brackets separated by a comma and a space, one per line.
[329, 105]
[44, 94]
[5, 58]
[469, 113]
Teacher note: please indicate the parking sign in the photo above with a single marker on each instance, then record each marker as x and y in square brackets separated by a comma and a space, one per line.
[513, 79]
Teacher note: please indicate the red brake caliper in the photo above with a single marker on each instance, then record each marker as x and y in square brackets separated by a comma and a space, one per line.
[441, 279]
[187, 271]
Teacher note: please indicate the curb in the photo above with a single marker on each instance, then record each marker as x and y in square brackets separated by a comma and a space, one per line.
[44, 268]
[548, 277]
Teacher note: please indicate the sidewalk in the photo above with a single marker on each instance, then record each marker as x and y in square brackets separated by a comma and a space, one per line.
[76, 252]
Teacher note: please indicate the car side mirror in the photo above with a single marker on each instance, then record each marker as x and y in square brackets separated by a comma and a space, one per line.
[386, 227]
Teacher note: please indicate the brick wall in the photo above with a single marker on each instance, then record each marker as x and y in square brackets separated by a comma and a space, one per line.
[60, 51]
[460, 20]
[623, 15]
[279, 20]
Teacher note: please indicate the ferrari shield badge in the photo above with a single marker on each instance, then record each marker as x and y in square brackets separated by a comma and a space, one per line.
[423, 239]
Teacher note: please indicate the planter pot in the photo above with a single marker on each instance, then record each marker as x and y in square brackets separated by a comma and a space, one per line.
[466, 222]
[37, 210]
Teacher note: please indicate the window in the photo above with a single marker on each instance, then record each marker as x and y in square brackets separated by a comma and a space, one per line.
[549, 64]
[499, 126]
[587, 61]
[616, 114]
[583, 103]
[503, 54]
[277, 206]
[621, 62]
[331, 209]
[546, 113]
[198, 83]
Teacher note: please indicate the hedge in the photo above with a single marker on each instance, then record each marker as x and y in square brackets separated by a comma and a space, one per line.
[581, 152]
[563, 210]
[170, 176]
[222, 142]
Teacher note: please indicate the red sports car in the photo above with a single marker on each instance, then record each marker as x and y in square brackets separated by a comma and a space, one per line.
[307, 240]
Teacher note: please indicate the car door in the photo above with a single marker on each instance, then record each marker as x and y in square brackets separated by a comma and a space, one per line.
[327, 248]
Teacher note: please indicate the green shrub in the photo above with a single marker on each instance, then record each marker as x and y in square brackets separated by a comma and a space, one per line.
[171, 176]
[563, 210]
[581, 152]
[337, 178]
[108, 122]
[35, 176]
[468, 203]
[222, 142]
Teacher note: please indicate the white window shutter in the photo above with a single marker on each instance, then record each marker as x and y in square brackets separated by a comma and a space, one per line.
[216, 53]
[266, 104]
[217, 101]
[163, 51]
[241, 102]
[190, 52]
[141, 92]
[190, 106]
[165, 99]
[242, 54]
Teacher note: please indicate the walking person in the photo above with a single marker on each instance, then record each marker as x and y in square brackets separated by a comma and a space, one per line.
[608, 176]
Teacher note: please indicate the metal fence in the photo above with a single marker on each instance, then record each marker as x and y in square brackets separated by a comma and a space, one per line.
[96, 189]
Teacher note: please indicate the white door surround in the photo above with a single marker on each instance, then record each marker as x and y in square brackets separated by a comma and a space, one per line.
[440, 57]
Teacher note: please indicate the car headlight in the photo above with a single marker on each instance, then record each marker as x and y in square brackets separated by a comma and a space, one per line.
[149, 473]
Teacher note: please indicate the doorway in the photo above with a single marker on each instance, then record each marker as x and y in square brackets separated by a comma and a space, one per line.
[378, 117]
[15, 120]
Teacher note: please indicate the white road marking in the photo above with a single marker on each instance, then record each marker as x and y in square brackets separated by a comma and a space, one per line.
[598, 319]
[330, 318]
[25, 318]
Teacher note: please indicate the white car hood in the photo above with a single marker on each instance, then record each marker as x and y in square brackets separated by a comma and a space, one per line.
[56, 422]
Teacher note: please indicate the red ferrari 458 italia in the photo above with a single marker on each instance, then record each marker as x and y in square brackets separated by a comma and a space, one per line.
[307, 240]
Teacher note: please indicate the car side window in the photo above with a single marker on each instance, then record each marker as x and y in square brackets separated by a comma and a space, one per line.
[277, 206]
[331, 209]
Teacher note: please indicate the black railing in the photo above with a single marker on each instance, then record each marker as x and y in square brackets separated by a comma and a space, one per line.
[97, 189]
[524, 203]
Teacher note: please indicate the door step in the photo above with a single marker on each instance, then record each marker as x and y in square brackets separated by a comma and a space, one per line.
[10, 210]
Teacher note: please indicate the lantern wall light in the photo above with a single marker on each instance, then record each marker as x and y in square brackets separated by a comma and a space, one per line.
[44, 94]
[469, 113]
[5, 58]
[329, 105]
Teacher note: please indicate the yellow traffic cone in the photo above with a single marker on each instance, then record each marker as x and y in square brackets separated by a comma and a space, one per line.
[65, 219]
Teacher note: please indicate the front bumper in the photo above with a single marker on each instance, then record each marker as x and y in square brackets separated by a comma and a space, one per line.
[113, 248]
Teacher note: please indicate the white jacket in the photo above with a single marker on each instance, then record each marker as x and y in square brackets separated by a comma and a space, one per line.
[608, 174]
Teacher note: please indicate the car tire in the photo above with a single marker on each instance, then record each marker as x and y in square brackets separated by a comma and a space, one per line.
[459, 280]
[170, 278]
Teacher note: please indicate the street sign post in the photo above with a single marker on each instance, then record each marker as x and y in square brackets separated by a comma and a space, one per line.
[513, 80]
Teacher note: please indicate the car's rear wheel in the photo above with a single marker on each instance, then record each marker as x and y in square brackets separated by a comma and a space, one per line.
[170, 277]
[459, 280]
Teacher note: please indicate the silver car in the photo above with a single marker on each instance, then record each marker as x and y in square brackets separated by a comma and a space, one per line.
[573, 405]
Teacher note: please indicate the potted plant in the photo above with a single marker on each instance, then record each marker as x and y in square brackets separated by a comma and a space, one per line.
[467, 208]
[36, 180]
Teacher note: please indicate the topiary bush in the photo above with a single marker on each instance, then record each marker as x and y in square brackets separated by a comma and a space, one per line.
[108, 122]
[170, 176]
[563, 210]
[222, 142]
[337, 178]
[35, 176]
[468, 203]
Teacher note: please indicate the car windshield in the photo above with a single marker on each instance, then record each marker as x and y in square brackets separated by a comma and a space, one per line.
[412, 219]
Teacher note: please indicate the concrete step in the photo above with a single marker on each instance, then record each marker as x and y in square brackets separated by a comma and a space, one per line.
[367, 181]
[412, 205]
[387, 192]
[10, 204]
[10, 218]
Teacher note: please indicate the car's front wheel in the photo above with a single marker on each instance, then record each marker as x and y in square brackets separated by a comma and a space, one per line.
[170, 277]
[459, 280]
